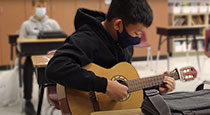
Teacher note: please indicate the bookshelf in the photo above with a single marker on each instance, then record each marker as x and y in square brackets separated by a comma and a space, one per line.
[185, 13]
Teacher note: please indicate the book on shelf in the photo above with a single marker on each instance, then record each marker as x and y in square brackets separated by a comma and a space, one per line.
[180, 46]
[180, 21]
[197, 20]
[201, 45]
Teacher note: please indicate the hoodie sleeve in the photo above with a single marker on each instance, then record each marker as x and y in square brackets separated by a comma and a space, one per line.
[55, 25]
[66, 69]
[23, 32]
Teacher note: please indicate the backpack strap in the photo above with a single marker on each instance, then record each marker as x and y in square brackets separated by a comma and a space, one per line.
[158, 102]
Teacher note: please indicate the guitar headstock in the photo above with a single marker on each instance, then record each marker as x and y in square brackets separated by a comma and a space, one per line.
[187, 73]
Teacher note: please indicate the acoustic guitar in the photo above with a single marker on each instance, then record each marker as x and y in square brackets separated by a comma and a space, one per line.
[84, 103]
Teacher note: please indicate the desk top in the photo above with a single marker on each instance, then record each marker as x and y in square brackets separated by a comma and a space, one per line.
[174, 31]
[179, 27]
[120, 112]
[40, 61]
[34, 40]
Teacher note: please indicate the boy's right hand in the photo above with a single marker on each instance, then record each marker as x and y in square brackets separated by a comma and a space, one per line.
[116, 91]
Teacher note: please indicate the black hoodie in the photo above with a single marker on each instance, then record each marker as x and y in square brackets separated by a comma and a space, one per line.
[91, 43]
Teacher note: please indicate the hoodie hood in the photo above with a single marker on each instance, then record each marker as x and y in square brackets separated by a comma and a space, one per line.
[90, 17]
[33, 19]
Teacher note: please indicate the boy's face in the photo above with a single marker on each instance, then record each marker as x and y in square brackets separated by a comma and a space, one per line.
[40, 9]
[135, 30]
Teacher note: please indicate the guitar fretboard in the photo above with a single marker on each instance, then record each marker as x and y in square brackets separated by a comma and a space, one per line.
[142, 83]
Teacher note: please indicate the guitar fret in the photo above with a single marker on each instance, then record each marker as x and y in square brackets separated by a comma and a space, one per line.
[142, 83]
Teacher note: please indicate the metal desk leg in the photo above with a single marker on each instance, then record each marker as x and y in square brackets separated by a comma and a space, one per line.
[150, 58]
[11, 57]
[169, 53]
[41, 93]
[197, 54]
[158, 53]
[20, 81]
[187, 43]
[19, 69]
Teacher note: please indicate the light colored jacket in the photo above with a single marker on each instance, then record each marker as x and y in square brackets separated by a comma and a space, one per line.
[32, 27]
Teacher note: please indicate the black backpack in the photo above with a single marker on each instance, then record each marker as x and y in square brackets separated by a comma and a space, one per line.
[178, 103]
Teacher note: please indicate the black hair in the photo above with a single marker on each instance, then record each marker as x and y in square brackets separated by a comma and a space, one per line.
[131, 12]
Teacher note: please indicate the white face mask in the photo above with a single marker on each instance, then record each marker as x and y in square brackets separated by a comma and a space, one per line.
[40, 12]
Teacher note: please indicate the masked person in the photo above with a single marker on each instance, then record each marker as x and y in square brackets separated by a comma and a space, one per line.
[30, 29]
[104, 40]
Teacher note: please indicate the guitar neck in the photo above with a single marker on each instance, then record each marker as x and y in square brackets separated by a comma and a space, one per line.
[138, 84]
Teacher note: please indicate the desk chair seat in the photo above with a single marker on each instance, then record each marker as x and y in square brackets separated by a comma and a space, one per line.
[145, 44]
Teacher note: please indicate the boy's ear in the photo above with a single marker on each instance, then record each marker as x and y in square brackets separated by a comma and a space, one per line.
[118, 24]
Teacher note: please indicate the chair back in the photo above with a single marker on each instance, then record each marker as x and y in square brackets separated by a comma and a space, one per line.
[143, 37]
[207, 43]
[144, 43]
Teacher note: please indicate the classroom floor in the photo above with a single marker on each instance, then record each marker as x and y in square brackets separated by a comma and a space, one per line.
[204, 74]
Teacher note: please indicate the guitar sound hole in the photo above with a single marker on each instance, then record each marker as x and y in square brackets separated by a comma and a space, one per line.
[122, 82]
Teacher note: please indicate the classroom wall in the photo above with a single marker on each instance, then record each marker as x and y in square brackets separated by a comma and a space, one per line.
[14, 12]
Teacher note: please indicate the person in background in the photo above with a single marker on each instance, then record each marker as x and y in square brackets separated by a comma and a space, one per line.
[104, 40]
[30, 29]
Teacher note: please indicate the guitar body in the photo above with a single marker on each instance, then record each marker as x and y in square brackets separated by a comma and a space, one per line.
[79, 101]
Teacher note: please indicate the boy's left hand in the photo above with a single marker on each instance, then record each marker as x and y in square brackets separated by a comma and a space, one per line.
[168, 85]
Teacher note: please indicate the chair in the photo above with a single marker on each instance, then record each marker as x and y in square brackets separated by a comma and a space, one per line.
[63, 100]
[56, 95]
[145, 44]
[206, 45]
[52, 97]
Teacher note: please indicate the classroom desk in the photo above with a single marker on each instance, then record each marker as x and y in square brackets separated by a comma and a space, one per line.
[169, 32]
[29, 47]
[40, 63]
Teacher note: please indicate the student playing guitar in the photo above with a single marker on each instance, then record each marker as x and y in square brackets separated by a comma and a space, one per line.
[105, 40]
